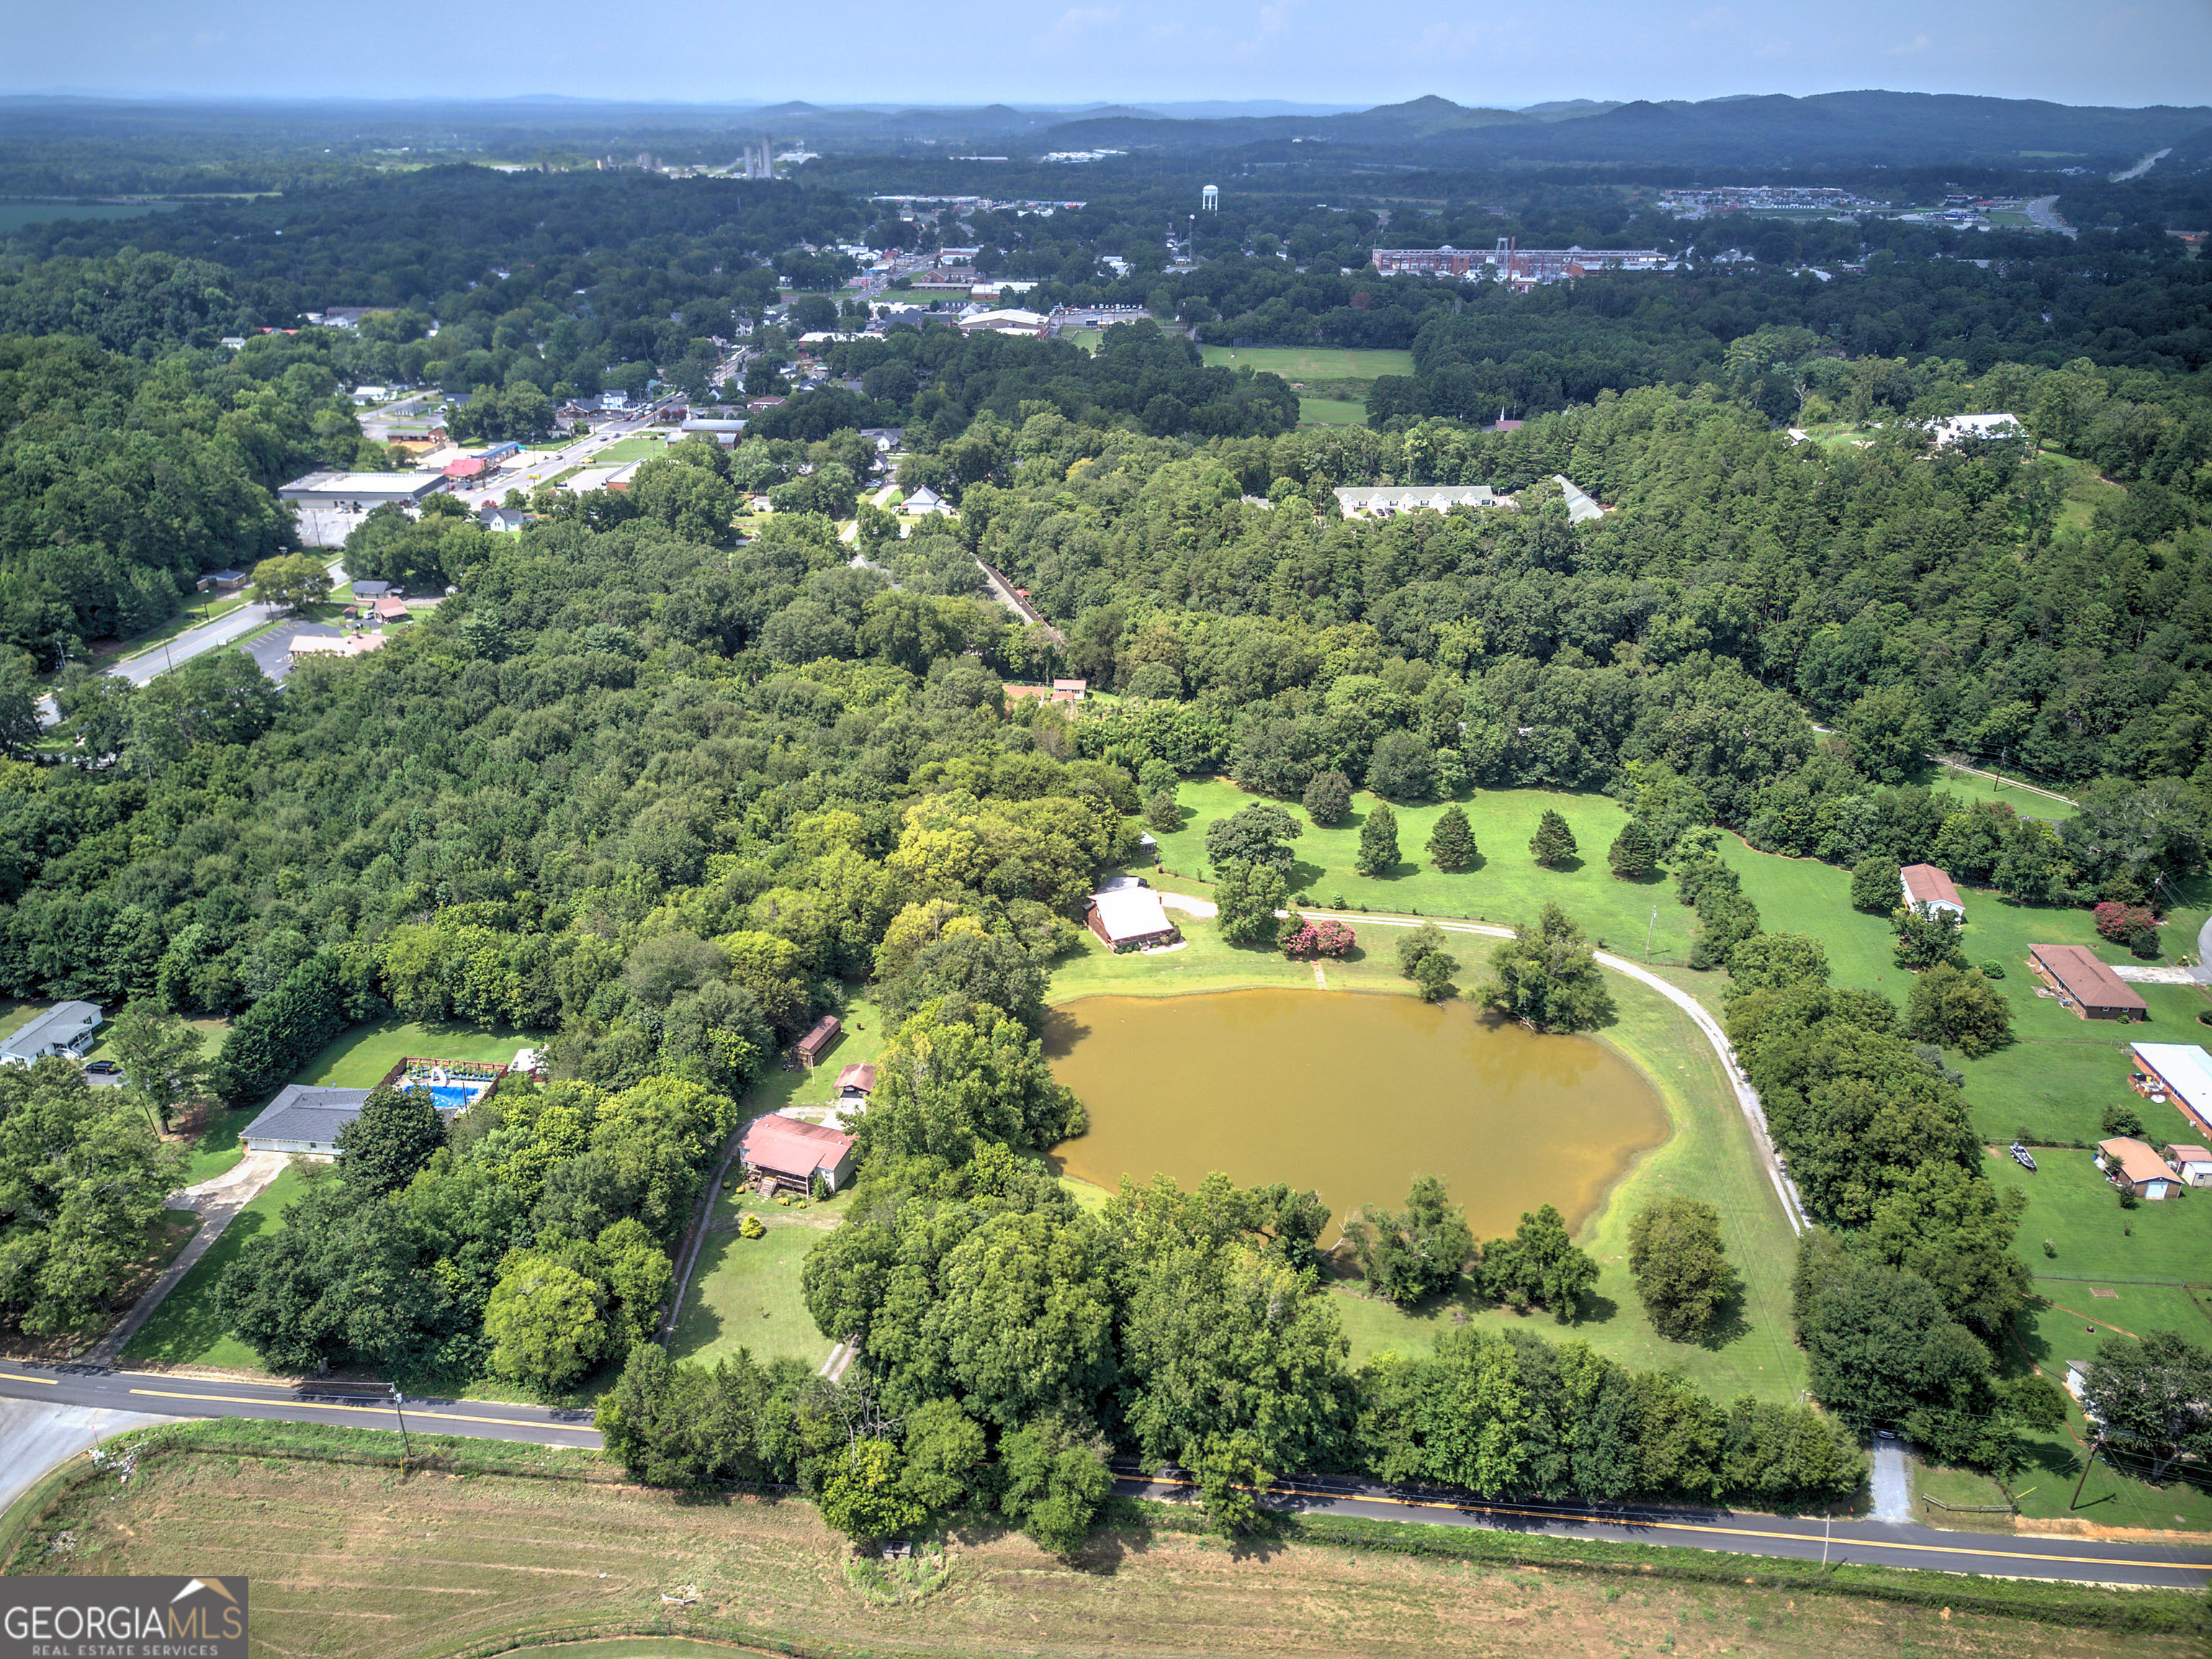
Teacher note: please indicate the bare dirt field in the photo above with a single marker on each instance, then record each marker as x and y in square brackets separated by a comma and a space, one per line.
[362, 1561]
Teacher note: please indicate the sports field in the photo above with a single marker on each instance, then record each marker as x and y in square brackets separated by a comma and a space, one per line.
[1331, 412]
[1311, 362]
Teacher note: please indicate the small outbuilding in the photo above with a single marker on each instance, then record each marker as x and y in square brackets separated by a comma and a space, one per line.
[856, 1082]
[1130, 918]
[65, 1029]
[221, 581]
[2084, 985]
[304, 1122]
[790, 1152]
[2134, 1168]
[816, 1043]
[2192, 1164]
[1927, 889]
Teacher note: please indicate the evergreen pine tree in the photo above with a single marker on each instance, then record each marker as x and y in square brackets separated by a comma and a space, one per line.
[1378, 842]
[1451, 843]
[1554, 843]
[1632, 854]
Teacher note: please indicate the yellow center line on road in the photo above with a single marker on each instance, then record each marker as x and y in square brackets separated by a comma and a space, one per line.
[338, 1406]
[1731, 1531]
[17, 1376]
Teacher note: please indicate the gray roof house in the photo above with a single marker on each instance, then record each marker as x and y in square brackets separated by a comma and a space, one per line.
[304, 1121]
[65, 1028]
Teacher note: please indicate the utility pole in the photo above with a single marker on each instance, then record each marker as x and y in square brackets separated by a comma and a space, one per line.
[2095, 1446]
[406, 1447]
[1651, 928]
[1827, 1526]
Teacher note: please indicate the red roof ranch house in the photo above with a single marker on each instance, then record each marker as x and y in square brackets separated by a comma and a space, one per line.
[2084, 984]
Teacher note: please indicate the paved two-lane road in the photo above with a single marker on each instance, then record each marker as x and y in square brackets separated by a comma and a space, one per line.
[1862, 1543]
[362, 1405]
[2183, 1566]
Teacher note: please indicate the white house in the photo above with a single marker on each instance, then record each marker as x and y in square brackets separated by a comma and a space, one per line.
[1927, 889]
[65, 1028]
[1958, 429]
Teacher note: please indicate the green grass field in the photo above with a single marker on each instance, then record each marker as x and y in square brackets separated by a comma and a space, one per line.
[2069, 1203]
[1507, 885]
[745, 1292]
[1331, 412]
[642, 446]
[2068, 1323]
[1310, 362]
[360, 1058]
[1969, 787]
[184, 1330]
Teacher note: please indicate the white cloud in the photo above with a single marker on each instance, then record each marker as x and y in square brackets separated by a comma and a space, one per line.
[1918, 44]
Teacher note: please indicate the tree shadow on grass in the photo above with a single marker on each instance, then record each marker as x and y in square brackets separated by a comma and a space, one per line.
[1729, 1325]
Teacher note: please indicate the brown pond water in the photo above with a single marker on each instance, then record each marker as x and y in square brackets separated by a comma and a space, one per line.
[1353, 1095]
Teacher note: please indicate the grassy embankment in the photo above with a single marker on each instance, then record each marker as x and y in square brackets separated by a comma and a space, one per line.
[512, 1545]
[1332, 383]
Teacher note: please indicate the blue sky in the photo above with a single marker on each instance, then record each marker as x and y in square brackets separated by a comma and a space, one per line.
[2138, 51]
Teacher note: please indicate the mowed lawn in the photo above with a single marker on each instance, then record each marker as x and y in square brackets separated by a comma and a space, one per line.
[1331, 412]
[1506, 885]
[1310, 362]
[746, 1291]
[2069, 1203]
[360, 1058]
[185, 1330]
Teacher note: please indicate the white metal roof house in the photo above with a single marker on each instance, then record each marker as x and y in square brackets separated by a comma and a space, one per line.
[2182, 1071]
[1130, 917]
[65, 1028]
[304, 1122]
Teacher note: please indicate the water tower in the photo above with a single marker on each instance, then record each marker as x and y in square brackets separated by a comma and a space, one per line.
[1210, 199]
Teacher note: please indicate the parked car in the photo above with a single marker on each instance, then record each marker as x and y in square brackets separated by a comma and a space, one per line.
[102, 1067]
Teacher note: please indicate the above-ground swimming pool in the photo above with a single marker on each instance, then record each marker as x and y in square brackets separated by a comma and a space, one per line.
[450, 1097]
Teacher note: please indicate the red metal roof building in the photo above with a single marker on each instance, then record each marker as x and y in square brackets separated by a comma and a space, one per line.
[857, 1079]
[793, 1151]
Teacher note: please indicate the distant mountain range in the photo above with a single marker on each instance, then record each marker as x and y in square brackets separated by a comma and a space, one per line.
[1862, 128]
[1837, 129]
